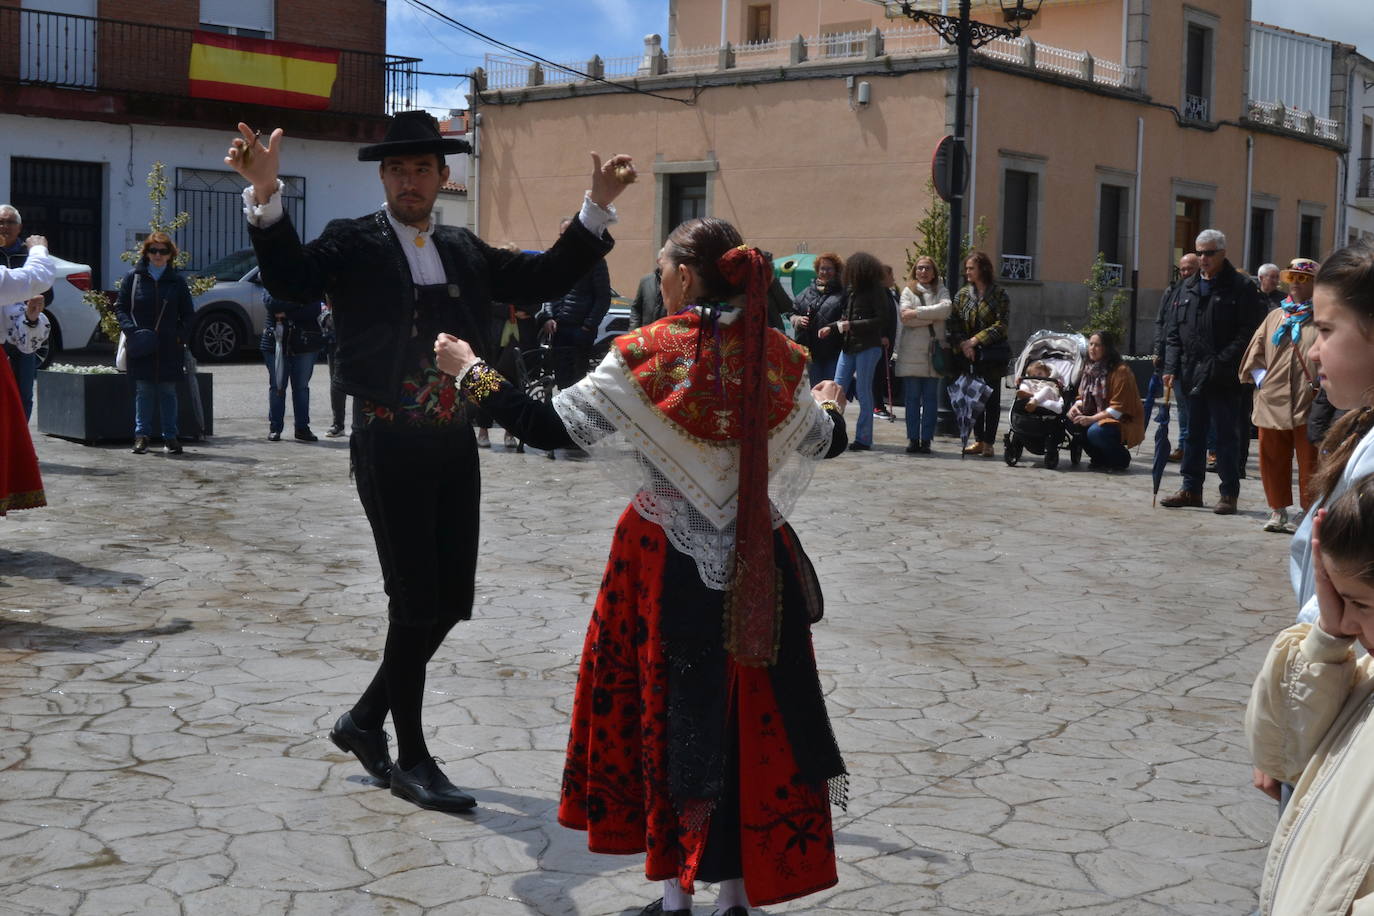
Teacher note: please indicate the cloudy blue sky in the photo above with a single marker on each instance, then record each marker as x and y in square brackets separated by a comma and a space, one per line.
[574, 30]
[561, 30]
[1348, 21]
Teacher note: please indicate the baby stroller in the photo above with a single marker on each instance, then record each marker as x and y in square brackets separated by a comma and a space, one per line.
[1042, 431]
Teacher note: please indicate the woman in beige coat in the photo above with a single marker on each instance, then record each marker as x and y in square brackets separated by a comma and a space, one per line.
[924, 306]
[1276, 364]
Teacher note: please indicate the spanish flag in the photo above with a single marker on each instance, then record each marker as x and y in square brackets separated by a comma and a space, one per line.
[262, 72]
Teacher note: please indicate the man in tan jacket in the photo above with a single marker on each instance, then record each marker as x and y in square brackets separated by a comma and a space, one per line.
[1285, 383]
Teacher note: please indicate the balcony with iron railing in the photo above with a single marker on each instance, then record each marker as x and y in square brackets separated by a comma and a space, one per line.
[1364, 178]
[1196, 108]
[63, 51]
[1018, 267]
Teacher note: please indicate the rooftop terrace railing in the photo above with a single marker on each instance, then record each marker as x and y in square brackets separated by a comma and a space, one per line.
[911, 41]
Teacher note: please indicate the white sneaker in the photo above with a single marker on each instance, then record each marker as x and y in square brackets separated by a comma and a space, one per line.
[1278, 521]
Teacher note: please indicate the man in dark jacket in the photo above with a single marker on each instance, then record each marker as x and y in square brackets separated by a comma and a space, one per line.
[573, 319]
[395, 280]
[1217, 313]
[1187, 266]
[648, 303]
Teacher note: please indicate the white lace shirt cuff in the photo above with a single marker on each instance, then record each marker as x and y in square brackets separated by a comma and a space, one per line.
[263, 215]
[596, 217]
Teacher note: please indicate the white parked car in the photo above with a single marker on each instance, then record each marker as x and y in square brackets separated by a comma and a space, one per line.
[74, 323]
[229, 316]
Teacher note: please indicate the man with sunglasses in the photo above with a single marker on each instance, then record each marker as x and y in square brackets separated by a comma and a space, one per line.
[1216, 312]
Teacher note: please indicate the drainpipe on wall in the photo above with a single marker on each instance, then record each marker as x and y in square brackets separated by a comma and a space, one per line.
[1125, 31]
[475, 162]
[1249, 190]
[724, 7]
[1135, 232]
[973, 170]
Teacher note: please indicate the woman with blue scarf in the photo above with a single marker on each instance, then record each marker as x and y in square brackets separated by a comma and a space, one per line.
[155, 310]
[1285, 383]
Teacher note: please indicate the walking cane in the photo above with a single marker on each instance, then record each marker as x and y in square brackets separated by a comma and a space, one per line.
[887, 364]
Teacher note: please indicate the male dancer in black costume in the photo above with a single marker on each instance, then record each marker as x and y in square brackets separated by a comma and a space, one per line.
[395, 280]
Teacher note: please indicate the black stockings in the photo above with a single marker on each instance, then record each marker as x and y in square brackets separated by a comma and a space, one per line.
[399, 686]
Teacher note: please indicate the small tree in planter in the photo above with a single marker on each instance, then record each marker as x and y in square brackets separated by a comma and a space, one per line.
[1104, 315]
[932, 236]
[157, 222]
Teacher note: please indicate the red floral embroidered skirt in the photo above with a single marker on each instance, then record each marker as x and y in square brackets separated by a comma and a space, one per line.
[616, 777]
[21, 487]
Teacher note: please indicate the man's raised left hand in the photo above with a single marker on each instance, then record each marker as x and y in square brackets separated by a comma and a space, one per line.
[606, 185]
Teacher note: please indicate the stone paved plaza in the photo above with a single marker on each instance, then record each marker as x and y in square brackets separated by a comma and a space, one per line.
[1037, 682]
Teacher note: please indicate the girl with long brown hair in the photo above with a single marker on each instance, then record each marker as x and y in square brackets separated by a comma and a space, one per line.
[699, 733]
[1343, 314]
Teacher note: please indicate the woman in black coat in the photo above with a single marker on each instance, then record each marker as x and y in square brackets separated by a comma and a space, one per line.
[818, 305]
[155, 310]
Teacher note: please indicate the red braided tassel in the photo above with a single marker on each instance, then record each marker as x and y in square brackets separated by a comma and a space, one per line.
[752, 621]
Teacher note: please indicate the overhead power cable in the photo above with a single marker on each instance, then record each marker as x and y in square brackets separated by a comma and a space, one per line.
[529, 55]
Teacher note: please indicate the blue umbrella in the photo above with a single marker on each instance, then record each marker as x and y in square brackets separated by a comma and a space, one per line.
[1155, 389]
[967, 396]
[1162, 445]
[279, 372]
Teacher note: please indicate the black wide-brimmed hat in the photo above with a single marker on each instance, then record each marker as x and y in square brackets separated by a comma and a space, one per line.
[409, 133]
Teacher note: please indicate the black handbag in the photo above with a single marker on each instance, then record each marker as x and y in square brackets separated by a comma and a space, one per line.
[941, 358]
[999, 352]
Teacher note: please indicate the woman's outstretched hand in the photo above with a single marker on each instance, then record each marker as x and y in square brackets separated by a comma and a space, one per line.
[829, 390]
[452, 355]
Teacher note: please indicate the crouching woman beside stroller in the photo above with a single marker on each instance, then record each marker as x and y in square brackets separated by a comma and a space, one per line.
[1108, 412]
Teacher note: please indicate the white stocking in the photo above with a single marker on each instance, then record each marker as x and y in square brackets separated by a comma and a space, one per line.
[673, 896]
[731, 893]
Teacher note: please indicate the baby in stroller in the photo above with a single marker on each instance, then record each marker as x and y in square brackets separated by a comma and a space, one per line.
[1047, 375]
[1040, 390]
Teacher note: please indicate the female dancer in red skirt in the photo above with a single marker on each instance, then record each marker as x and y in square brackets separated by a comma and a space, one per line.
[24, 326]
[699, 732]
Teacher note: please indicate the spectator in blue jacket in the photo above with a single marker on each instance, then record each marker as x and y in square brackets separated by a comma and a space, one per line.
[302, 339]
[572, 321]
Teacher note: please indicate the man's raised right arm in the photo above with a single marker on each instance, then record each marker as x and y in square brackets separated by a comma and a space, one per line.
[289, 270]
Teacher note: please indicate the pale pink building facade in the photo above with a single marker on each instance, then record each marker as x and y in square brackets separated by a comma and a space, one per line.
[1120, 126]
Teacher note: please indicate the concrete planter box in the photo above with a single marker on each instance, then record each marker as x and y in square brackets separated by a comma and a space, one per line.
[100, 408]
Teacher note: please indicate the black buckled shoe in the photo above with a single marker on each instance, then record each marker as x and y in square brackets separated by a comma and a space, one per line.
[368, 746]
[426, 785]
[656, 909]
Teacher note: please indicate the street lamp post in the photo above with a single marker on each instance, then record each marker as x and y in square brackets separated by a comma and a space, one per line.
[965, 33]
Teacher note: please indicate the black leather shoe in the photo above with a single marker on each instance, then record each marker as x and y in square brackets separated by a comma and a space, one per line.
[368, 746]
[140, 445]
[656, 909]
[274, 437]
[171, 447]
[859, 447]
[426, 785]
[305, 435]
